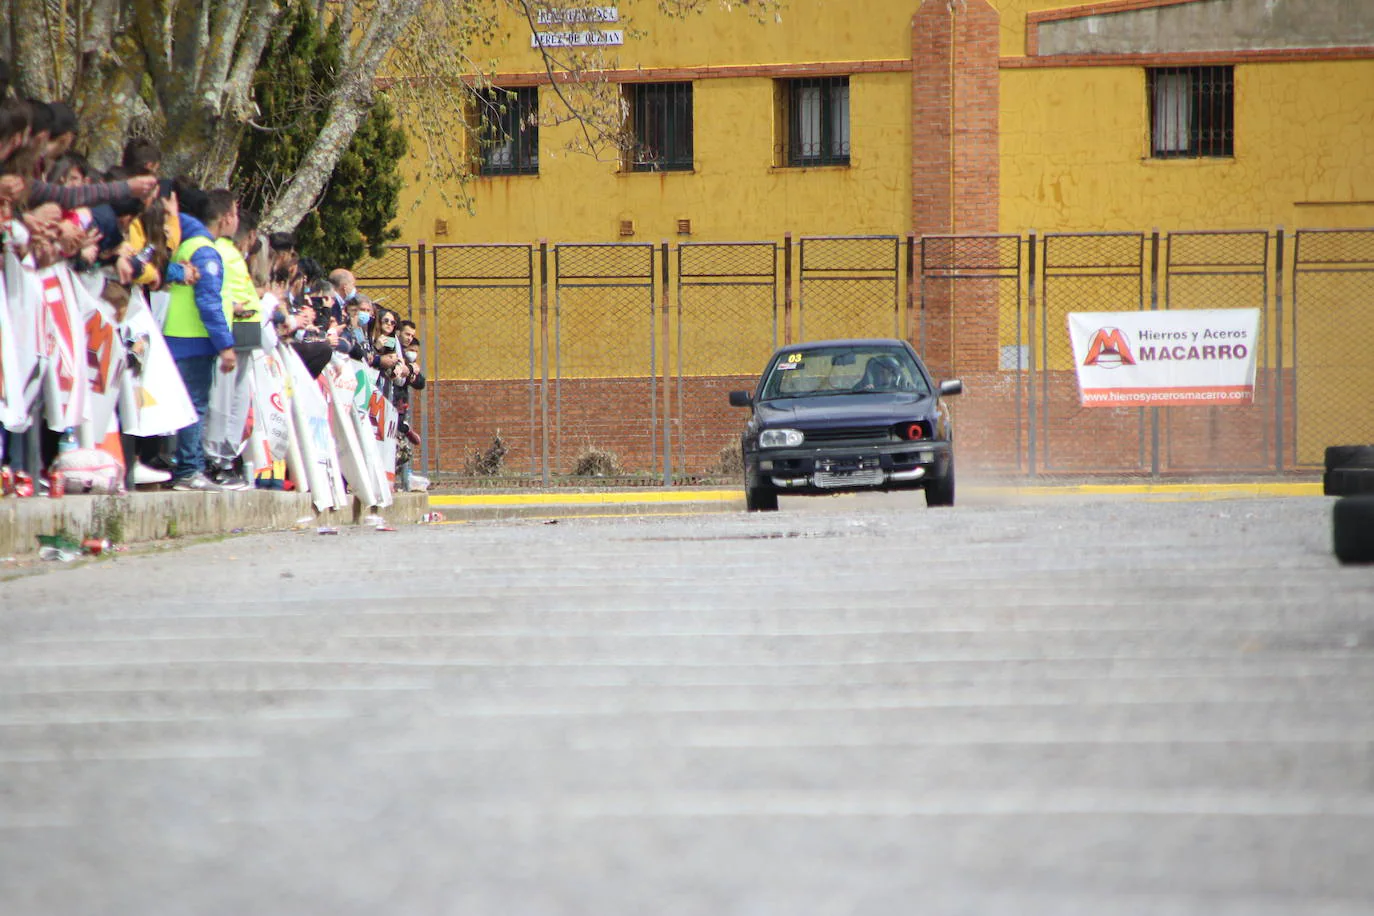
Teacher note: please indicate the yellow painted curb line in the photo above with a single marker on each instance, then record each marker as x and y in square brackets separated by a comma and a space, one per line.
[619, 497]
[1160, 489]
[665, 497]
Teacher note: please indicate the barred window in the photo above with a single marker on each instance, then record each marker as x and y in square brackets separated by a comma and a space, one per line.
[814, 121]
[661, 126]
[1192, 112]
[509, 131]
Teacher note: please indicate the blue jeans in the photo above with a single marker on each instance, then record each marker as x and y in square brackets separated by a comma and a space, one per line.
[196, 373]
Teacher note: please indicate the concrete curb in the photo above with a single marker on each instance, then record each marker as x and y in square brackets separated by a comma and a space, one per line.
[151, 516]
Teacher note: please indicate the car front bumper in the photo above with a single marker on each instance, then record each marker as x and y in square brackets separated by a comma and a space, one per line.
[830, 467]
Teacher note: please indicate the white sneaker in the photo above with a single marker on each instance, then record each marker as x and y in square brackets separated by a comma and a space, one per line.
[197, 482]
[144, 474]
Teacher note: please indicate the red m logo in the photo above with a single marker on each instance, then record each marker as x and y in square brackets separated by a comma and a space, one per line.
[1109, 350]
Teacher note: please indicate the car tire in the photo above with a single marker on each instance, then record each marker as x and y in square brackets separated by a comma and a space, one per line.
[1348, 481]
[940, 490]
[1352, 528]
[1349, 456]
[760, 499]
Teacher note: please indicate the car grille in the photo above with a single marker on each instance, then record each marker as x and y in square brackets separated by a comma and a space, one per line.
[866, 478]
[855, 434]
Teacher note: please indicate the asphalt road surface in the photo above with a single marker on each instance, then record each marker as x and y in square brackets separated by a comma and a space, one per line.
[854, 706]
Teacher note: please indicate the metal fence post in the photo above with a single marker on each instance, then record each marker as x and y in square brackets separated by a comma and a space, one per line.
[1282, 391]
[544, 358]
[667, 369]
[1154, 306]
[787, 288]
[429, 457]
[1031, 415]
[911, 291]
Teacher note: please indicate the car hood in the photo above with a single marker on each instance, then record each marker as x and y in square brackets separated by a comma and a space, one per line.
[847, 409]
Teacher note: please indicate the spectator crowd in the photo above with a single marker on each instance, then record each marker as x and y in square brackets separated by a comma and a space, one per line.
[192, 265]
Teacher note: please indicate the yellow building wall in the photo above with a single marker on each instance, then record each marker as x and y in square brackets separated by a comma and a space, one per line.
[734, 192]
[1075, 152]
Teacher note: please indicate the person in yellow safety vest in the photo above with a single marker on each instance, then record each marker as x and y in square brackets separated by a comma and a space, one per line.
[197, 325]
[240, 295]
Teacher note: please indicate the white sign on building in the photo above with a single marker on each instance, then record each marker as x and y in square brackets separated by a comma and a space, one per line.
[578, 15]
[590, 38]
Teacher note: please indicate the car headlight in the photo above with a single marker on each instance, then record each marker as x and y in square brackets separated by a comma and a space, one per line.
[780, 438]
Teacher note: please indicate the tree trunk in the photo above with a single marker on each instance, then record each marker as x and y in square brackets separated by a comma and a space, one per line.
[32, 68]
[107, 102]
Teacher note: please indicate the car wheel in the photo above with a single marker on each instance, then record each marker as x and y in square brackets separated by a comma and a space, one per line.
[760, 499]
[1352, 524]
[1349, 456]
[940, 490]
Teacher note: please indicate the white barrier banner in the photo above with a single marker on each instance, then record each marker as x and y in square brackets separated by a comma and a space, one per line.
[1159, 359]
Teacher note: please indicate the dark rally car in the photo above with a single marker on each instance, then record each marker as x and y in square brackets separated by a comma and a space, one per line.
[847, 415]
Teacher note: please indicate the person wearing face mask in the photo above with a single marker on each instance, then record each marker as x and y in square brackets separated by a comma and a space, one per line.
[358, 331]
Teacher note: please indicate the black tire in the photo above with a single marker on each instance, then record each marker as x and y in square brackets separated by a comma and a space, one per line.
[760, 499]
[1349, 456]
[940, 490]
[1352, 528]
[1348, 482]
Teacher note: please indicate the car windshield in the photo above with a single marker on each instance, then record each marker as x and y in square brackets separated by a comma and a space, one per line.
[851, 369]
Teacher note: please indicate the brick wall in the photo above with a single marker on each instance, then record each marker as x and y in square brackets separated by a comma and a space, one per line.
[991, 419]
[954, 118]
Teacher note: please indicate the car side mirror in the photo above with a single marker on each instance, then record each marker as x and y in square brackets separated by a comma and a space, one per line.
[951, 386]
[741, 399]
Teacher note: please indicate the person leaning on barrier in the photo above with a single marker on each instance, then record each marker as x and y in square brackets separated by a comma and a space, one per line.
[196, 327]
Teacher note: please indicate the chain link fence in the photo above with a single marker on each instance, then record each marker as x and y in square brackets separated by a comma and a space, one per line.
[1209, 270]
[1333, 308]
[1085, 272]
[727, 325]
[614, 360]
[485, 363]
[972, 326]
[607, 390]
[388, 281]
[850, 287]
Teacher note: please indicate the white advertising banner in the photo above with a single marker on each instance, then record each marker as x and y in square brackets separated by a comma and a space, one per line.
[1202, 357]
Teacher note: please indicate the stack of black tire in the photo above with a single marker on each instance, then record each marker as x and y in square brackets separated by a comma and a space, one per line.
[1350, 475]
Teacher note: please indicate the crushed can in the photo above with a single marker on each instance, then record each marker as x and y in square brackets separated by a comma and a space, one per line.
[6, 481]
[57, 485]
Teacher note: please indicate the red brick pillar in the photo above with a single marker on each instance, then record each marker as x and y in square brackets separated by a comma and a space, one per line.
[955, 164]
[954, 117]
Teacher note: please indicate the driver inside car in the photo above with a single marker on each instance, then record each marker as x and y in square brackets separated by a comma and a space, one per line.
[881, 374]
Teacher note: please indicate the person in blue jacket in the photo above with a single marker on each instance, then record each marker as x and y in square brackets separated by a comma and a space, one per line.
[196, 326]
